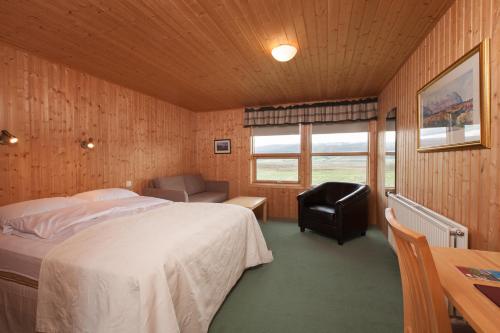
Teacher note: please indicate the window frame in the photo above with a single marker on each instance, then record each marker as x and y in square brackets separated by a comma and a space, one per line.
[333, 154]
[285, 156]
[293, 156]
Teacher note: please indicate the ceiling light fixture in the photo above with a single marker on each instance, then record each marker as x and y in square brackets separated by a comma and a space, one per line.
[88, 144]
[6, 138]
[284, 52]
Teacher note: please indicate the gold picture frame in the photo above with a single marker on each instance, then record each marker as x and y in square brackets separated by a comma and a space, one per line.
[448, 116]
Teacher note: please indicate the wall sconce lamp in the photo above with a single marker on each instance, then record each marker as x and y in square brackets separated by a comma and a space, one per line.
[6, 138]
[87, 144]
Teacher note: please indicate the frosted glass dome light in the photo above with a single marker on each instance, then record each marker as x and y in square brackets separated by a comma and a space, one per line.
[284, 52]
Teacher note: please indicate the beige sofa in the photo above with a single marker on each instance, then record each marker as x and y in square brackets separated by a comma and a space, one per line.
[188, 188]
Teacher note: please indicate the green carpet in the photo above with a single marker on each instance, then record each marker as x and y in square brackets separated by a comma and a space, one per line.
[314, 285]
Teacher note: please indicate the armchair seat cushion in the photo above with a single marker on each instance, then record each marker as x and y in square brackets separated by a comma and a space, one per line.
[322, 209]
[208, 197]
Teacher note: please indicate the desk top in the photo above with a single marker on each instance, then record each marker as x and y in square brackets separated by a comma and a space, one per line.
[481, 313]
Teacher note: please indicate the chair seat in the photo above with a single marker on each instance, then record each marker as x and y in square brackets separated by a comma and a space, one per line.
[323, 209]
[460, 326]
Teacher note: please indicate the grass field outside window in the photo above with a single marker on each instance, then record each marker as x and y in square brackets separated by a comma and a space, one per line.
[277, 170]
[351, 169]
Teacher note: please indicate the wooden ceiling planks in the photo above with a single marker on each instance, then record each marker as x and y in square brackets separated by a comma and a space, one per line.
[209, 55]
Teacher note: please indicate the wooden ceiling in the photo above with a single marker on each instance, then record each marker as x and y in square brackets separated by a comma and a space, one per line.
[216, 54]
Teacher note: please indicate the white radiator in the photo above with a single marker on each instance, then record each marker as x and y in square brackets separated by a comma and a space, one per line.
[439, 230]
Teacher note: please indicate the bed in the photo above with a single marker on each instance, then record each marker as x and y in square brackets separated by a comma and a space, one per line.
[124, 264]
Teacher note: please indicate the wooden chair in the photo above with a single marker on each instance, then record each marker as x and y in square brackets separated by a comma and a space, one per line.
[425, 310]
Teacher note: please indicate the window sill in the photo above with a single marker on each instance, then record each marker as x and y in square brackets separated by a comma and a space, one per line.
[389, 190]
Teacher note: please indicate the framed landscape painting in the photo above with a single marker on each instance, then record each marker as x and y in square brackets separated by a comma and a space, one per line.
[222, 146]
[454, 108]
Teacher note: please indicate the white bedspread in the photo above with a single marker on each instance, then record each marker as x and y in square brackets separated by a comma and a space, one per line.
[164, 270]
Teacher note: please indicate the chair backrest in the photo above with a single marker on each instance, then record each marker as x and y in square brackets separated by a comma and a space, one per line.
[423, 298]
[337, 190]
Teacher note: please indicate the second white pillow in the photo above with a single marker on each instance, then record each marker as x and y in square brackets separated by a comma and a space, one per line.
[106, 194]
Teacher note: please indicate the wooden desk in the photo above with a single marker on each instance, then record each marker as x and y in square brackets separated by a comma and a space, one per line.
[251, 203]
[481, 313]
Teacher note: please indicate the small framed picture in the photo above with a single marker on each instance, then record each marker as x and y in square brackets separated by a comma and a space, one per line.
[222, 146]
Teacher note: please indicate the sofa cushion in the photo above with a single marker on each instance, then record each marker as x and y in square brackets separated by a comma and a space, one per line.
[170, 183]
[208, 197]
[194, 184]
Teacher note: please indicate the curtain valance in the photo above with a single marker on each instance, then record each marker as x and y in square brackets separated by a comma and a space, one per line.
[324, 112]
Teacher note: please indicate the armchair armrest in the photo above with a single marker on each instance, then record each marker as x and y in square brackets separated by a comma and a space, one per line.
[173, 195]
[352, 211]
[217, 186]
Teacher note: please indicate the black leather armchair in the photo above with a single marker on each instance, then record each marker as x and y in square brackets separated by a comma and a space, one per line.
[336, 209]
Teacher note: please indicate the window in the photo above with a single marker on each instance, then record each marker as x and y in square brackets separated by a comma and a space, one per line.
[339, 152]
[276, 154]
[390, 154]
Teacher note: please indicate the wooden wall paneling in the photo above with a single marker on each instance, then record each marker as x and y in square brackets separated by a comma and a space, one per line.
[494, 163]
[380, 198]
[462, 184]
[372, 172]
[51, 107]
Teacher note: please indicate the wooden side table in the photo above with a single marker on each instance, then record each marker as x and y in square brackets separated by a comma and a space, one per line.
[251, 203]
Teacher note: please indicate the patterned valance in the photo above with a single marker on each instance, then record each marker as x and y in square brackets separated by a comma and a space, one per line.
[324, 112]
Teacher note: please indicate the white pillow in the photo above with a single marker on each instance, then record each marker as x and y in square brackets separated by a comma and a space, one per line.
[106, 194]
[31, 207]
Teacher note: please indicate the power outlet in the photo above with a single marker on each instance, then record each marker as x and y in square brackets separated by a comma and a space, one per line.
[128, 184]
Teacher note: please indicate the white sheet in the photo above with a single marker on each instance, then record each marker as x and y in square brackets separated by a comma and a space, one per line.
[164, 270]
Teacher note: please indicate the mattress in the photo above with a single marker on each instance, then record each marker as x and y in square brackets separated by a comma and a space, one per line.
[20, 262]
[23, 256]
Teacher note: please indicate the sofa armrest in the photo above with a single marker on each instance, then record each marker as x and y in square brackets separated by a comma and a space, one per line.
[217, 186]
[173, 195]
